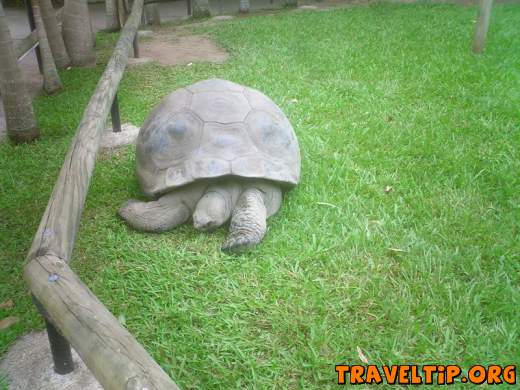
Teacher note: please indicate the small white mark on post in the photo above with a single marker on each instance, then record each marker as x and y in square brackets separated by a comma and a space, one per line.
[482, 25]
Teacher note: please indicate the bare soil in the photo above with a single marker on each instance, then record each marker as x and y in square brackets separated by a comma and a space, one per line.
[182, 50]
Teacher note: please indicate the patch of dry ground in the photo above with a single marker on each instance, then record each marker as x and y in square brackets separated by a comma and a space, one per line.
[28, 365]
[182, 50]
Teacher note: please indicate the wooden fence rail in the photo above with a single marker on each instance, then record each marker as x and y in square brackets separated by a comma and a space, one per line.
[113, 355]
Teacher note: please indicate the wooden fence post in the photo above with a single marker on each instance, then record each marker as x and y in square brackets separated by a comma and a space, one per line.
[482, 25]
[114, 114]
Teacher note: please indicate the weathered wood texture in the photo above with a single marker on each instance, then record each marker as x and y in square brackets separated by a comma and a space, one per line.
[57, 230]
[482, 25]
[112, 354]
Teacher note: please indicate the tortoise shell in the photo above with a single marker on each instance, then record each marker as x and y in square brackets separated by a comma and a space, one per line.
[215, 128]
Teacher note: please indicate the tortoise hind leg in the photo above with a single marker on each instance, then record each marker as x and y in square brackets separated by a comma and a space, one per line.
[165, 213]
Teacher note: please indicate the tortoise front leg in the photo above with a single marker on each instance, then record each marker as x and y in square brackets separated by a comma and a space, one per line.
[248, 225]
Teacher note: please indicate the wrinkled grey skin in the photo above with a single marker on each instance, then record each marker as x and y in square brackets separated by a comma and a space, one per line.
[214, 151]
[210, 204]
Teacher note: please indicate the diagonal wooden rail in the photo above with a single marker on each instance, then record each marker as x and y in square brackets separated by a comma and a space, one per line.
[113, 355]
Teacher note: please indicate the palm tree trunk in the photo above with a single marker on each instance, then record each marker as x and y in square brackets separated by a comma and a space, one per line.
[122, 12]
[244, 6]
[111, 16]
[54, 36]
[77, 32]
[51, 80]
[19, 113]
[152, 14]
[200, 9]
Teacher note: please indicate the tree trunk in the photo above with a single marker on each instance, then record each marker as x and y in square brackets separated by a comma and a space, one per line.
[200, 9]
[19, 114]
[482, 25]
[111, 16]
[152, 14]
[244, 6]
[50, 21]
[51, 80]
[122, 12]
[77, 32]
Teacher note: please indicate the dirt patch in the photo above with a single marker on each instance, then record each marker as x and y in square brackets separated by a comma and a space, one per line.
[28, 365]
[182, 50]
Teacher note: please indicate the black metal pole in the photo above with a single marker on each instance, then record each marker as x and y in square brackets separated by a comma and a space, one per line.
[60, 347]
[136, 45]
[30, 16]
[114, 113]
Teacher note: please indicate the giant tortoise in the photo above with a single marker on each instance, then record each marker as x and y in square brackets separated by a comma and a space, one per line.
[212, 151]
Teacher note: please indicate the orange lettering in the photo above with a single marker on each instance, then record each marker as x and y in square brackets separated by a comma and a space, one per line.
[493, 375]
[477, 374]
[403, 375]
[428, 372]
[373, 375]
[510, 374]
[416, 379]
[341, 370]
[441, 377]
[451, 373]
[390, 374]
[356, 374]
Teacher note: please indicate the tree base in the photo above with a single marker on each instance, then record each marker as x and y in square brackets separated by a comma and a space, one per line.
[200, 13]
[24, 137]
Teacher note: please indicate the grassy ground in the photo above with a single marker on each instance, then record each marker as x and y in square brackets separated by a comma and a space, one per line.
[381, 97]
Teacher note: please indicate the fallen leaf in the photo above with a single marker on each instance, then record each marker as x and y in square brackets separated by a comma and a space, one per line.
[294, 100]
[388, 189]
[362, 355]
[327, 204]
[397, 250]
[7, 322]
[7, 304]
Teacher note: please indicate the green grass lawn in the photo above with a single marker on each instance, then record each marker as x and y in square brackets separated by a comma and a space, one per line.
[381, 97]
